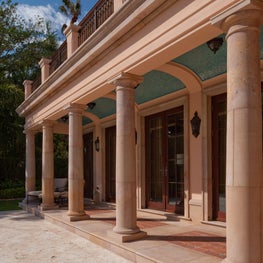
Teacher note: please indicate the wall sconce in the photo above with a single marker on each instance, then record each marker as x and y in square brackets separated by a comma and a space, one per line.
[64, 118]
[91, 105]
[195, 124]
[215, 43]
[97, 144]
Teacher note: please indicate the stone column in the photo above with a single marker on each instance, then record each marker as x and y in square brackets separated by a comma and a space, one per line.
[125, 158]
[44, 64]
[47, 166]
[28, 87]
[118, 4]
[244, 177]
[75, 165]
[30, 171]
[72, 33]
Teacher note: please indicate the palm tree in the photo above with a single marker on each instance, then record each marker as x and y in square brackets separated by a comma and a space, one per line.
[71, 9]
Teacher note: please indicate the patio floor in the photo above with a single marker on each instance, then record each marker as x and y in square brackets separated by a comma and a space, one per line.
[168, 239]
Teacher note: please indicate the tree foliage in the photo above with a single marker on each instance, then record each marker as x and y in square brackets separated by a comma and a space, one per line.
[12, 146]
[71, 9]
[22, 44]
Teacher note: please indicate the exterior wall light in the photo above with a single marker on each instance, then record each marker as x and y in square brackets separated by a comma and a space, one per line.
[97, 144]
[64, 118]
[215, 43]
[195, 124]
[91, 105]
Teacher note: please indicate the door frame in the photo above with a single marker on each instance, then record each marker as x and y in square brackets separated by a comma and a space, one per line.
[109, 165]
[216, 213]
[164, 115]
[88, 165]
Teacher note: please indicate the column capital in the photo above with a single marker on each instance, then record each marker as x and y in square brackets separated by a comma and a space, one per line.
[127, 80]
[44, 61]
[72, 28]
[27, 82]
[27, 87]
[47, 123]
[75, 107]
[243, 18]
[29, 132]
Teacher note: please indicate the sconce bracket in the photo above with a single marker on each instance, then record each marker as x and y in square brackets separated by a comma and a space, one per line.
[195, 124]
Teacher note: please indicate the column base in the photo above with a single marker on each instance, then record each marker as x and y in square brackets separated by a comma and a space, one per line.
[124, 230]
[127, 237]
[44, 207]
[73, 216]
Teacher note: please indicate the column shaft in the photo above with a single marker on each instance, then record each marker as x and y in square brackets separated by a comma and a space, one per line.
[76, 174]
[244, 139]
[47, 167]
[30, 171]
[125, 156]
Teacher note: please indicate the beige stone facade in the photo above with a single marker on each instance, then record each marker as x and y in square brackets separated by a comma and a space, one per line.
[149, 71]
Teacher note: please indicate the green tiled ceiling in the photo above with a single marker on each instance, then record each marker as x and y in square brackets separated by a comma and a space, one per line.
[104, 107]
[156, 84]
[203, 62]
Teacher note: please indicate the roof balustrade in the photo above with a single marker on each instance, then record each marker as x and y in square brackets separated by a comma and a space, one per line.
[102, 10]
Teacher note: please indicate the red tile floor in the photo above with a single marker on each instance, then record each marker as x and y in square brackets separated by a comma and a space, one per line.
[200, 241]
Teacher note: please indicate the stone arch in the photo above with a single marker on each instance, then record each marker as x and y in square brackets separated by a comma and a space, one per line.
[184, 74]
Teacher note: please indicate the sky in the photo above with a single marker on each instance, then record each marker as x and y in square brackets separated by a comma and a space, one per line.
[48, 9]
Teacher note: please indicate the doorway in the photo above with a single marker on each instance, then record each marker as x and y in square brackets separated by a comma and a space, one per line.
[110, 134]
[165, 161]
[88, 165]
[219, 104]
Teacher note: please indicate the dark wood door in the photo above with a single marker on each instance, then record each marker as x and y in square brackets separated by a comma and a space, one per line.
[110, 134]
[165, 161]
[262, 110]
[219, 115]
[88, 164]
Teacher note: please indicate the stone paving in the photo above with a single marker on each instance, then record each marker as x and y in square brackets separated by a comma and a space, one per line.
[25, 238]
[167, 240]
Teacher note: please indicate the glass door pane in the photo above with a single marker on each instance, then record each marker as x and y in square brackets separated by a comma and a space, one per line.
[110, 134]
[88, 165]
[175, 162]
[222, 157]
[219, 118]
[155, 160]
[165, 161]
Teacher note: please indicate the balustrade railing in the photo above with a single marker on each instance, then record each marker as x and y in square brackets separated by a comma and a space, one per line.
[95, 18]
[59, 56]
[36, 83]
[89, 24]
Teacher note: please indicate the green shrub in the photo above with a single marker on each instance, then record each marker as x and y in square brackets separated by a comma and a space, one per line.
[7, 184]
[18, 192]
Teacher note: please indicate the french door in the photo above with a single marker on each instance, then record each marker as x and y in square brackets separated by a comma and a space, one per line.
[110, 134]
[219, 156]
[165, 161]
[88, 164]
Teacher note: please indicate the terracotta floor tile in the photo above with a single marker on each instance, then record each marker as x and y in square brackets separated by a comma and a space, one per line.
[202, 242]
